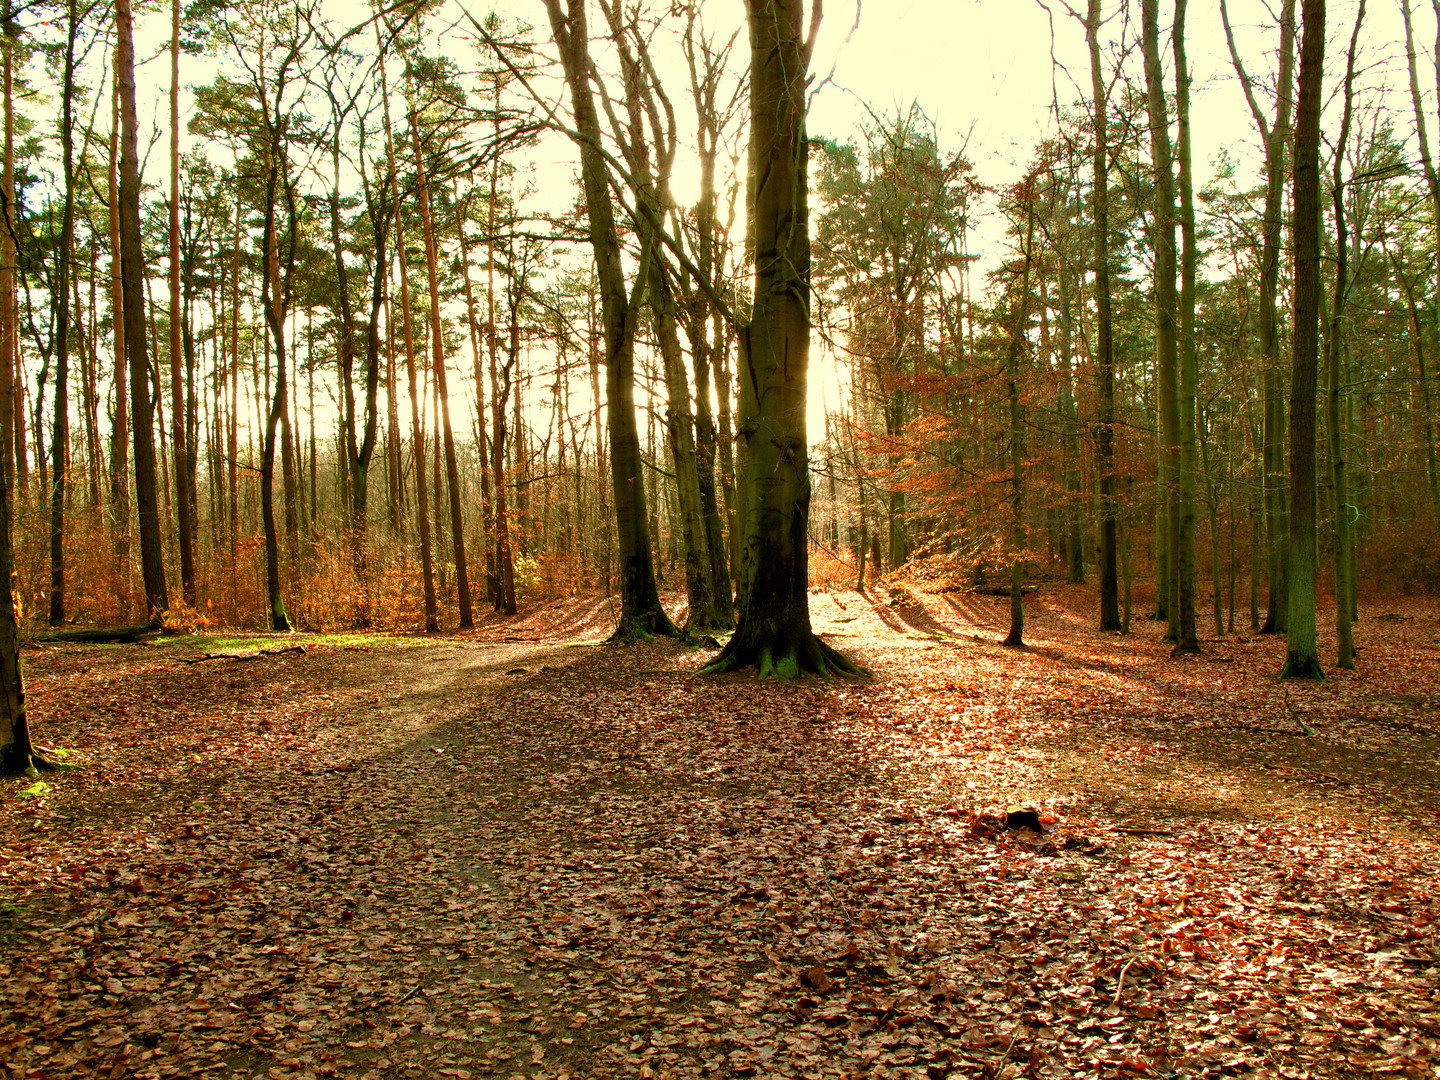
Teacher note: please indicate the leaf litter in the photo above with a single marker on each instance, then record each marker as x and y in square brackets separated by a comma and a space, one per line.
[508, 854]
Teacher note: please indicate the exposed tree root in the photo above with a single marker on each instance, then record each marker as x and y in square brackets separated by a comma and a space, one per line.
[785, 660]
[1302, 666]
[646, 626]
[32, 765]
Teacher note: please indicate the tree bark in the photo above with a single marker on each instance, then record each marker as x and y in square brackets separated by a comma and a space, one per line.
[1302, 656]
[640, 611]
[132, 272]
[774, 631]
[1276, 138]
[680, 428]
[1335, 382]
[482, 442]
[178, 411]
[437, 337]
[1167, 360]
[60, 433]
[417, 440]
[1186, 632]
[1014, 353]
[16, 751]
[9, 295]
[1104, 330]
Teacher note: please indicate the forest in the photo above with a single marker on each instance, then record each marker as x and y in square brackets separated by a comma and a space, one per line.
[382, 369]
[534, 549]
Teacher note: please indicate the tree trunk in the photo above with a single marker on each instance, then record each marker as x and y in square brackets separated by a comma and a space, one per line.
[606, 541]
[680, 427]
[1335, 383]
[9, 292]
[274, 303]
[437, 337]
[1069, 437]
[1277, 531]
[16, 751]
[233, 435]
[60, 435]
[1167, 360]
[774, 624]
[640, 610]
[1302, 656]
[1104, 329]
[487, 513]
[704, 74]
[1276, 138]
[500, 396]
[417, 439]
[132, 272]
[1014, 353]
[1186, 633]
[178, 412]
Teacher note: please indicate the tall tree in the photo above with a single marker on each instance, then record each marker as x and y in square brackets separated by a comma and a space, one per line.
[1179, 585]
[1185, 638]
[120, 419]
[9, 305]
[1302, 654]
[417, 432]
[640, 610]
[1276, 139]
[178, 410]
[60, 435]
[1335, 376]
[773, 630]
[280, 239]
[1015, 351]
[437, 338]
[132, 288]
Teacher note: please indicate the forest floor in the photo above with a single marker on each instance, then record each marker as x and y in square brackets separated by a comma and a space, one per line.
[517, 852]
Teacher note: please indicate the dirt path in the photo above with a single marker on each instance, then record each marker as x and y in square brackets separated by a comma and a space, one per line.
[490, 857]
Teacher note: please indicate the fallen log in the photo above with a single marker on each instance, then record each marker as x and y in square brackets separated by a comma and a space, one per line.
[113, 635]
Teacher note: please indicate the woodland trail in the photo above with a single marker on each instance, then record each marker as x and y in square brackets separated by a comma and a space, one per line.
[481, 856]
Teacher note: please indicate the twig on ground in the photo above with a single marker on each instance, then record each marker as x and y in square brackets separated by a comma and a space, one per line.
[1120, 982]
[241, 656]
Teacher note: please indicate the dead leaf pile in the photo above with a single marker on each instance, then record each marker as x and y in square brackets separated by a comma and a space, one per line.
[403, 861]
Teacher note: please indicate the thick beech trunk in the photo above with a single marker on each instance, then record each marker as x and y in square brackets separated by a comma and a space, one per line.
[774, 632]
[1302, 653]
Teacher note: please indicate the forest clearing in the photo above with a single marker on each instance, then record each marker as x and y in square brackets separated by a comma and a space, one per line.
[517, 851]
